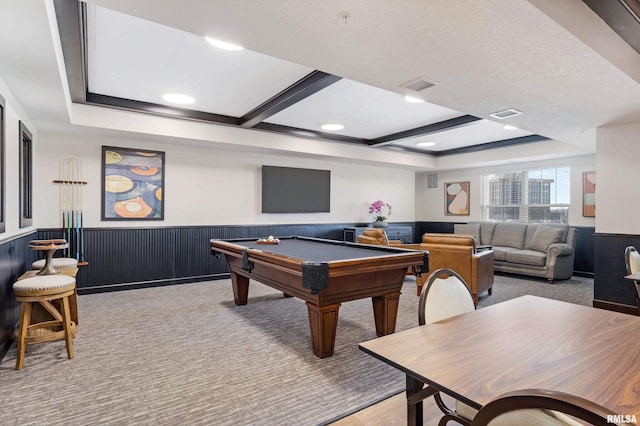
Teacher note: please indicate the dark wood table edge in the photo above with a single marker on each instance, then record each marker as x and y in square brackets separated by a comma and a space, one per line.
[414, 387]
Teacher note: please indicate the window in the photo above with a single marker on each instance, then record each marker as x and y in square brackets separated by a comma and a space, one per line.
[2, 173]
[539, 196]
[26, 176]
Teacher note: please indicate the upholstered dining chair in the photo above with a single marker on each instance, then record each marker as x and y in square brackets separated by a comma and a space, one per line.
[446, 294]
[557, 405]
[632, 261]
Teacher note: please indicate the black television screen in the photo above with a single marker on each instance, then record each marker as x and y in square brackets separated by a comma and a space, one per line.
[293, 190]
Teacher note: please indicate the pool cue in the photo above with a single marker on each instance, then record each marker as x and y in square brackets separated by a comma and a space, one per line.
[65, 202]
[72, 187]
[77, 210]
[61, 195]
[68, 186]
[81, 255]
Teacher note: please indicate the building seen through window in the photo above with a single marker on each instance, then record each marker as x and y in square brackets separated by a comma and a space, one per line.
[539, 196]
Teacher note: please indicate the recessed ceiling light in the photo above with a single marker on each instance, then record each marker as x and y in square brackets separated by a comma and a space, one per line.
[223, 44]
[177, 98]
[423, 144]
[510, 127]
[412, 99]
[332, 127]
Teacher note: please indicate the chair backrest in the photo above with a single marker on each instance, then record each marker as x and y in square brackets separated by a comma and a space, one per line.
[445, 295]
[449, 239]
[374, 236]
[632, 260]
[557, 405]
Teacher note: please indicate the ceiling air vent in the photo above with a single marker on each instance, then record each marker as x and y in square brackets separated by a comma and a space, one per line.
[506, 113]
[419, 85]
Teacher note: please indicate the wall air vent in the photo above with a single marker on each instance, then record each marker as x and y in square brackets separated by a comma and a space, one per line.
[432, 180]
[507, 113]
[419, 85]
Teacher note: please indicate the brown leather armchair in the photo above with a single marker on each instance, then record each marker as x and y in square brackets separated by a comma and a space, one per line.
[459, 253]
[376, 236]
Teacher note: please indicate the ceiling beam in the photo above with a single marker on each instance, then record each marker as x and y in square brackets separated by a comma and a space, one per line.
[491, 145]
[157, 109]
[296, 131]
[306, 86]
[440, 126]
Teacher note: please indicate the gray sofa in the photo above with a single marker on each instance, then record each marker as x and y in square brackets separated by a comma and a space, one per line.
[541, 250]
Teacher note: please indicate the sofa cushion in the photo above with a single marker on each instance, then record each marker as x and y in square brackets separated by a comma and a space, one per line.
[531, 230]
[544, 237]
[500, 253]
[468, 229]
[526, 257]
[509, 234]
[486, 232]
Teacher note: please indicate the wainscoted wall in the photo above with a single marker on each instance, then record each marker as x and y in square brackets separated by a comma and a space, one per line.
[15, 255]
[583, 263]
[124, 258]
[611, 290]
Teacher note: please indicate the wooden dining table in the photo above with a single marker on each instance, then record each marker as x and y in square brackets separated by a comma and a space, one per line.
[524, 343]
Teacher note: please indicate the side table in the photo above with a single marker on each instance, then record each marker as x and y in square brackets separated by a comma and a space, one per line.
[49, 247]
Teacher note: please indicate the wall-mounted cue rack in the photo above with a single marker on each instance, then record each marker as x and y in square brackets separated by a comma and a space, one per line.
[70, 181]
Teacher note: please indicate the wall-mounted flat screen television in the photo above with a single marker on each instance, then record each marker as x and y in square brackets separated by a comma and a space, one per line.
[293, 190]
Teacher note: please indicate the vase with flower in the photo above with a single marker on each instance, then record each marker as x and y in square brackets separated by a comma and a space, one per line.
[381, 212]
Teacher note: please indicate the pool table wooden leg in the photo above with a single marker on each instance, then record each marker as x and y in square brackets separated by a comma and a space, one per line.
[385, 312]
[240, 285]
[323, 321]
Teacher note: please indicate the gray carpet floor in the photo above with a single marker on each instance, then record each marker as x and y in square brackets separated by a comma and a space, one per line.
[186, 354]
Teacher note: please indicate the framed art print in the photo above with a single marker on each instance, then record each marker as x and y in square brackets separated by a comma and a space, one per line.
[132, 184]
[456, 198]
[589, 194]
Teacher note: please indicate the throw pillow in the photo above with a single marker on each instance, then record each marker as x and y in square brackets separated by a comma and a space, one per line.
[509, 234]
[544, 237]
[468, 229]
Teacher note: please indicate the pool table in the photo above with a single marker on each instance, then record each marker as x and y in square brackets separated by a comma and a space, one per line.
[323, 273]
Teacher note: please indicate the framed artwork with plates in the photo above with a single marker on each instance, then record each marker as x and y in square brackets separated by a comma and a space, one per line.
[132, 184]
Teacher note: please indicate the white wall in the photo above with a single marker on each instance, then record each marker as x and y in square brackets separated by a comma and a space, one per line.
[212, 186]
[618, 188]
[14, 114]
[430, 202]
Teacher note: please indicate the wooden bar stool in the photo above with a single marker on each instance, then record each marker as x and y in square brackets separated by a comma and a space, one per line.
[51, 292]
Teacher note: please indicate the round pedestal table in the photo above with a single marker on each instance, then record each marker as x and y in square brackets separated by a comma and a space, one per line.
[49, 247]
